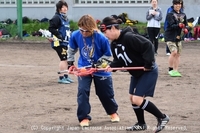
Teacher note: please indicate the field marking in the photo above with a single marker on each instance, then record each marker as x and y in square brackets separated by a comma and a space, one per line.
[15, 65]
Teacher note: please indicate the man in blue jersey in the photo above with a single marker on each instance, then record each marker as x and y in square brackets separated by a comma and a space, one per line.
[93, 46]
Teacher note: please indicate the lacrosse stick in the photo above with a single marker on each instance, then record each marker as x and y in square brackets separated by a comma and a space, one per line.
[89, 71]
[47, 34]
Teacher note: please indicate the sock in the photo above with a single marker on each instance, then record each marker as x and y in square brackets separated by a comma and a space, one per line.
[60, 77]
[151, 108]
[139, 113]
[170, 68]
[65, 75]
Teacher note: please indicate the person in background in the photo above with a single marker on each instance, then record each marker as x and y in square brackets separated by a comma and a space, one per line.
[165, 25]
[93, 47]
[154, 16]
[133, 50]
[59, 27]
[176, 23]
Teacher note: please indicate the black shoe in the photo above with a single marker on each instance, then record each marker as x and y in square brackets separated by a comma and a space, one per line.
[162, 123]
[137, 127]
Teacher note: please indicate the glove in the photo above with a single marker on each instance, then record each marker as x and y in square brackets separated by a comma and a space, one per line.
[60, 38]
[70, 63]
[185, 31]
[102, 63]
[181, 25]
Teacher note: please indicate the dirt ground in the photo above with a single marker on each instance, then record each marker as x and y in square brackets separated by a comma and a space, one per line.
[31, 100]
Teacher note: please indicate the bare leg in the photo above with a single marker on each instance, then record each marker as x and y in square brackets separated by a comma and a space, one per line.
[176, 62]
[63, 66]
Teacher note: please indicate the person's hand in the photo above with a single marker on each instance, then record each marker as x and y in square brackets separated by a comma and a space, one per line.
[147, 69]
[50, 39]
[154, 13]
[102, 63]
[60, 38]
[181, 25]
[185, 31]
[70, 63]
[108, 69]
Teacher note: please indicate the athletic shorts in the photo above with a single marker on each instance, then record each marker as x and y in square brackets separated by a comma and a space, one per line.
[175, 46]
[144, 85]
[62, 52]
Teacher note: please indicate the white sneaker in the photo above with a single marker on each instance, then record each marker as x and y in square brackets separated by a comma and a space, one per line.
[167, 54]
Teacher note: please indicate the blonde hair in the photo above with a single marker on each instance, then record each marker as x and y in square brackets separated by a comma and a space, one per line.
[88, 23]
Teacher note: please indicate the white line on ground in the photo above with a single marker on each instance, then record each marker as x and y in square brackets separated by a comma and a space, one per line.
[15, 65]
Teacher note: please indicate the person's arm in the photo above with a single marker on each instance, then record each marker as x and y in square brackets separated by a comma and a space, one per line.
[54, 24]
[149, 16]
[143, 46]
[158, 17]
[72, 49]
[172, 22]
[147, 50]
[115, 62]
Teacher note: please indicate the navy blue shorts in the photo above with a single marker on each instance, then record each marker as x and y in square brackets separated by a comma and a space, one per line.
[145, 84]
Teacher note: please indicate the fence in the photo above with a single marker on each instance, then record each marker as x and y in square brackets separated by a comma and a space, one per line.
[14, 2]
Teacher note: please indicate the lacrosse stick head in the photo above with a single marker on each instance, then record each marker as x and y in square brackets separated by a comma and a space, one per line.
[45, 33]
[81, 71]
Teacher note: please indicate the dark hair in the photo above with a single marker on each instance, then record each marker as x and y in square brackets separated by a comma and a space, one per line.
[177, 1]
[151, 1]
[60, 4]
[108, 22]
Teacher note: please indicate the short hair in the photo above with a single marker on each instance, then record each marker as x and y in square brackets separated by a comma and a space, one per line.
[177, 1]
[60, 4]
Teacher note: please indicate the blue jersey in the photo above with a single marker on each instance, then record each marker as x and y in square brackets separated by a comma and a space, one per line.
[90, 49]
[64, 31]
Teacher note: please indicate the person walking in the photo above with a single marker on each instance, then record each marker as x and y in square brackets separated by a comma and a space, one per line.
[93, 46]
[153, 17]
[133, 50]
[177, 22]
[59, 27]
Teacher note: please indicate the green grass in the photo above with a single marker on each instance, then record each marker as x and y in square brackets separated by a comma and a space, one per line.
[33, 26]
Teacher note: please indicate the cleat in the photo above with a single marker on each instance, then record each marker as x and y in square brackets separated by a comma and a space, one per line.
[162, 123]
[84, 123]
[173, 73]
[69, 79]
[114, 117]
[63, 81]
[168, 54]
[137, 127]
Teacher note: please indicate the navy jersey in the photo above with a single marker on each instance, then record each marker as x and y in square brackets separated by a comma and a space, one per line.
[60, 28]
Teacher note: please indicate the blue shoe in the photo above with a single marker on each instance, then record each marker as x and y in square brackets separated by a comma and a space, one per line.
[69, 80]
[63, 81]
